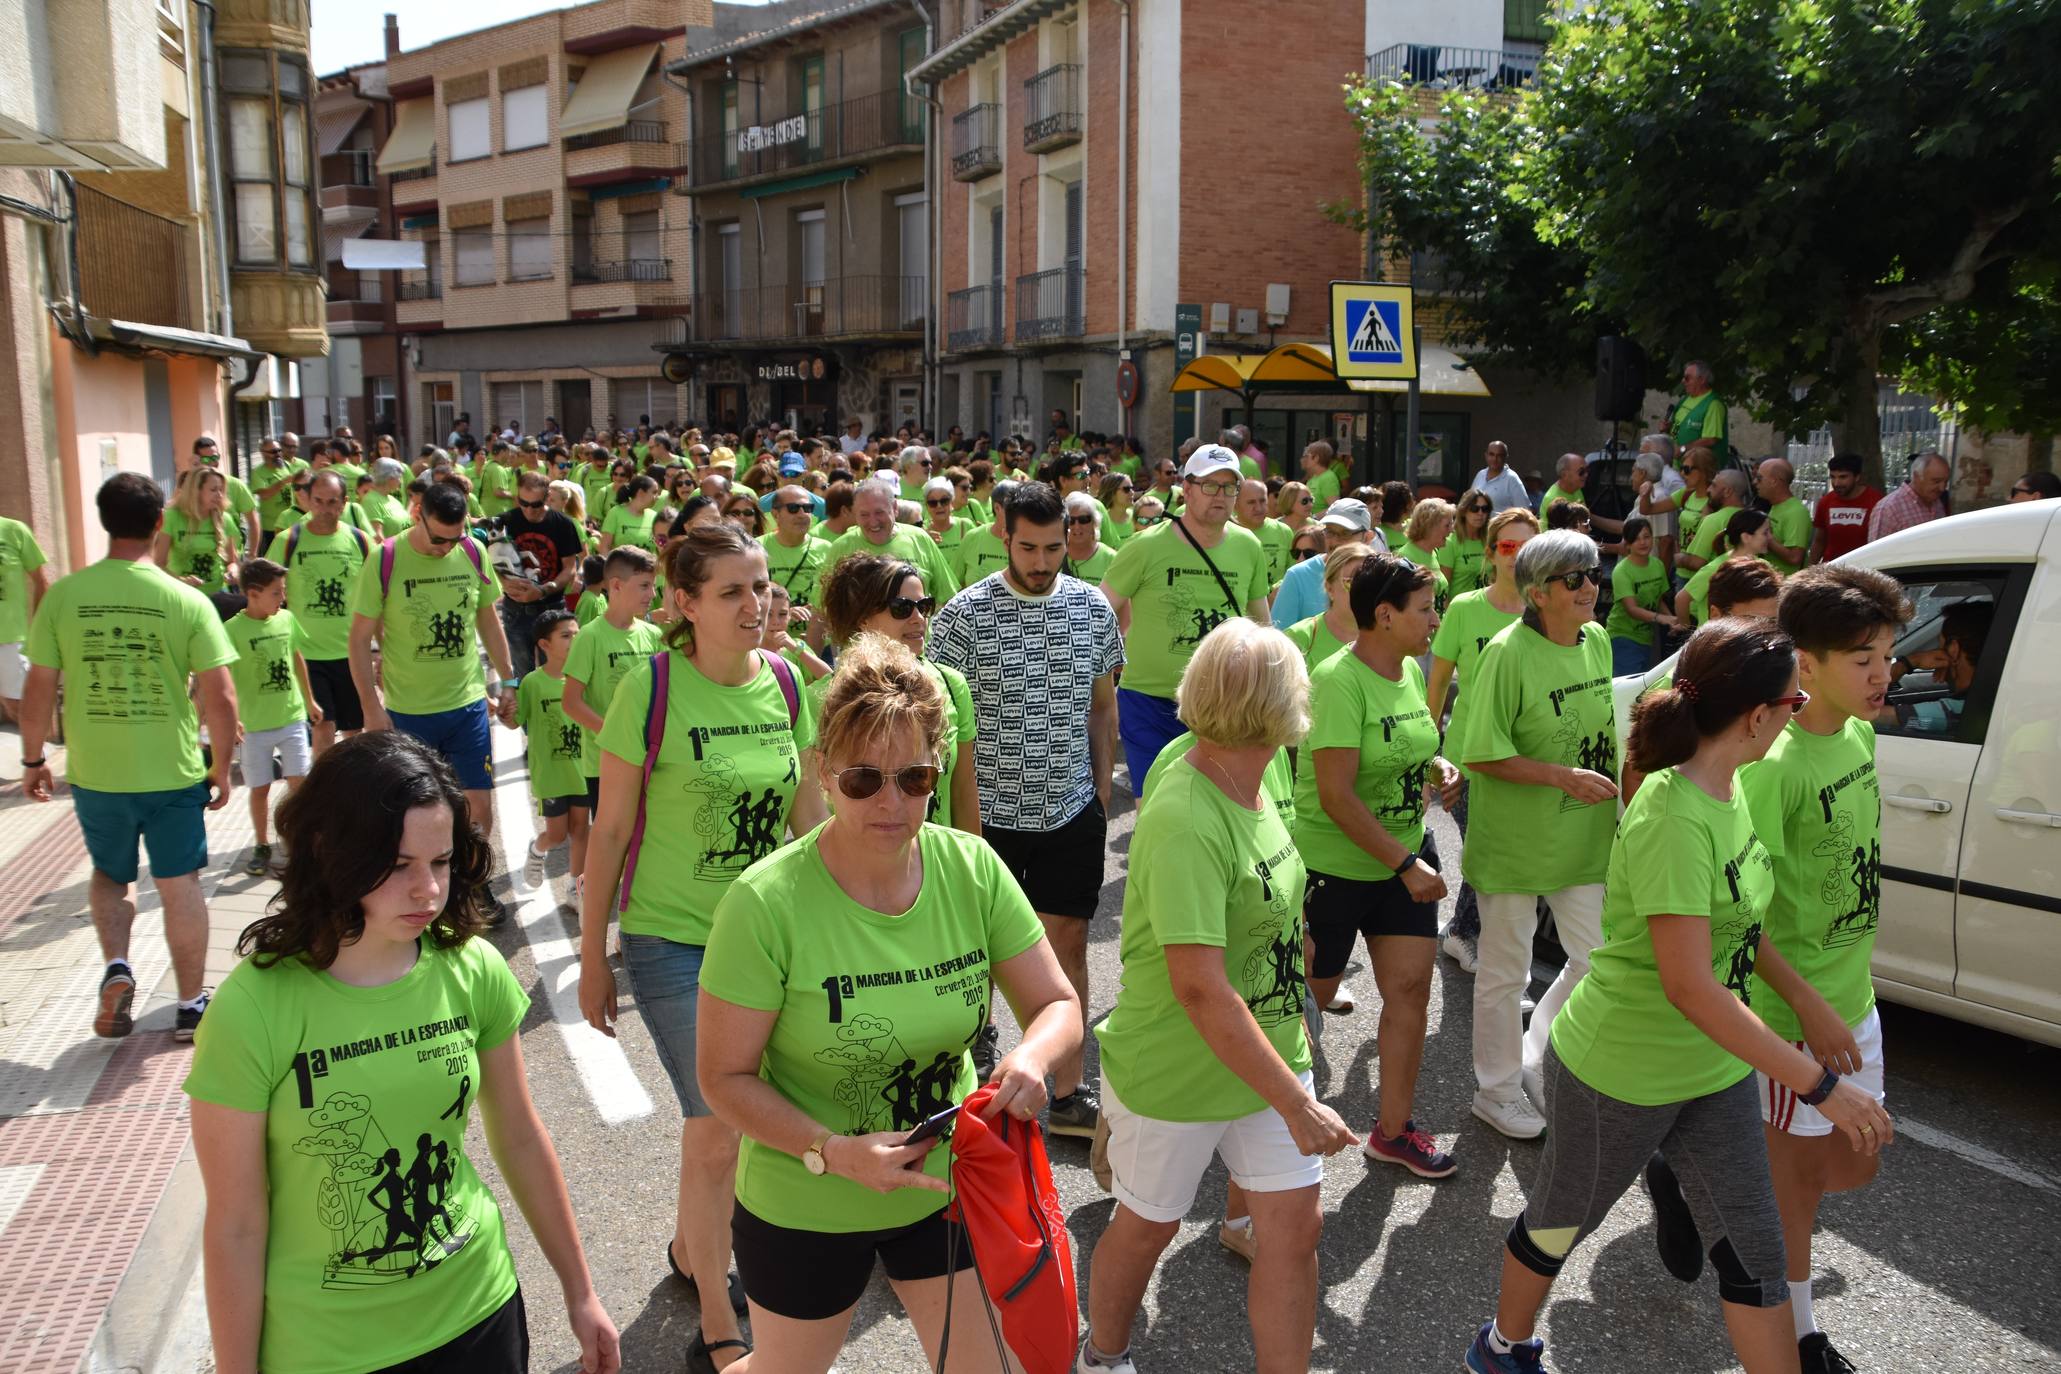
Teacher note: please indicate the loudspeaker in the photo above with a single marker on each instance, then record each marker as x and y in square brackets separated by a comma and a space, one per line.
[1620, 378]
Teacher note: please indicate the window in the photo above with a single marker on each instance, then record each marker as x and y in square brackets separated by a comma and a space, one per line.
[910, 52]
[635, 398]
[812, 104]
[640, 237]
[474, 256]
[1952, 653]
[524, 123]
[520, 405]
[730, 129]
[809, 226]
[270, 159]
[912, 213]
[582, 241]
[433, 263]
[529, 249]
[470, 135]
[730, 276]
[384, 418]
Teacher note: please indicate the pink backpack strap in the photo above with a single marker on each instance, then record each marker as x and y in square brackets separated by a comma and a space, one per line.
[386, 568]
[654, 735]
[790, 690]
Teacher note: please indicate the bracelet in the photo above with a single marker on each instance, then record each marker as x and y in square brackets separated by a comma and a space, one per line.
[511, 682]
[34, 763]
[1824, 1090]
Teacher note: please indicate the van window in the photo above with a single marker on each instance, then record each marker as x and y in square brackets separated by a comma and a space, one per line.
[1950, 655]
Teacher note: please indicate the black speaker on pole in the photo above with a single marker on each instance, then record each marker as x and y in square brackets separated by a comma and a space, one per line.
[1620, 378]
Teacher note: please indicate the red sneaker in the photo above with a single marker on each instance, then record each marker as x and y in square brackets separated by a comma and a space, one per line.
[1415, 1150]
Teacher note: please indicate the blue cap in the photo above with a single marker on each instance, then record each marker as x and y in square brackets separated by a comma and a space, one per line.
[792, 465]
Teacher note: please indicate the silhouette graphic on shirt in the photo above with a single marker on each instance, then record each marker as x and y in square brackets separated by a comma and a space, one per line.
[205, 566]
[329, 597]
[387, 1222]
[1853, 880]
[1273, 970]
[278, 677]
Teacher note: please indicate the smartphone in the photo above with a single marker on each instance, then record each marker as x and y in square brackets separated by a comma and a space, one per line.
[936, 1126]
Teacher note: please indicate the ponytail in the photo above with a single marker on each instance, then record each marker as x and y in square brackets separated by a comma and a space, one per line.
[1728, 669]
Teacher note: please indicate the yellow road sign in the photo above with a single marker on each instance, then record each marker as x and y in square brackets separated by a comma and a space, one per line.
[1371, 330]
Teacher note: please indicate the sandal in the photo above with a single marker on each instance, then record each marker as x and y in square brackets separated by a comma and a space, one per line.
[701, 1356]
[736, 1284]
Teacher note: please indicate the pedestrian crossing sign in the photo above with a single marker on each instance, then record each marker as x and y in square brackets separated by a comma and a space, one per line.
[1372, 333]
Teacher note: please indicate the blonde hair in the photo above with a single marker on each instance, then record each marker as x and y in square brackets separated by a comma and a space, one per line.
[1504, 519]
[879, 689]
[1245, 688]
[1428, 512]
[1286, 500]
[575, 499]
[1340, 560]
[186, 498]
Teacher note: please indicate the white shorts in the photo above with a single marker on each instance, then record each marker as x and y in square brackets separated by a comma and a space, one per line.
[1782, 1109]
[290, 742]
[1157, 1166]
[13, 671]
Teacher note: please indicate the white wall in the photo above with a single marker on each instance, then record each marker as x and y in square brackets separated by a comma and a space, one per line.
[1158, 172]
[1448, 23]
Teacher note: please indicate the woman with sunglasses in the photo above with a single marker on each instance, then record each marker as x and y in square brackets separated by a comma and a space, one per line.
[1746, 535]
[730, 780]
[1086, 555]
[1321, 636]
[1147, 512]
[837, 1025]
[1656, 1049]
[1541, 741]
[868, 594]
[1460, 558]
[1294, 506]
[741, 509]
[1115, 493]
[941, 519]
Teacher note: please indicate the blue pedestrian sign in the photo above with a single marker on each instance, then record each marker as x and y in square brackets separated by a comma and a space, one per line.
[1372, 333]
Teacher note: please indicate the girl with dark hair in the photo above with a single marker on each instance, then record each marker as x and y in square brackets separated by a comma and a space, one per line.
[674, 830]
[338, 1065]
[1397, 501]
[1746, 535]
[1638, 600]
[1656, 1049]
[631, 519]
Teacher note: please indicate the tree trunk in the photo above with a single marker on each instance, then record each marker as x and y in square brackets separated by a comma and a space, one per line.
[1859, 429]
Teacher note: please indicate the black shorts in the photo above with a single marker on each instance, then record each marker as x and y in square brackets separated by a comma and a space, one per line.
[1337, 911]
[593, 797]
[810, 1275]
[550, 808]
[1059, 870]
[500, 1344]
[336, 693]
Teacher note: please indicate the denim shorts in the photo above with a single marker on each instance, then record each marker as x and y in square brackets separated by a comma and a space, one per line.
[665, 978]
[464, 738]
[1146, 725]
[172, 826]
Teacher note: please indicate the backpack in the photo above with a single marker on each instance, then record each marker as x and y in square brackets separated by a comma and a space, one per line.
[293, 541]
[655, 733]
[386, 562]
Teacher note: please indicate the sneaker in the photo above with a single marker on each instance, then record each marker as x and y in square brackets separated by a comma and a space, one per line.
[1820, 1357]
[1460, 950]
[188, 1020]
[1238, 1240]
[117, 993]
[1341, 1003]
[260, 861]
[533, 868]
[1513, 1116]
[494, 909]
[1533, 1080]
[1075, 1114]
[1121, 1364]
[987, 1051]
[1525, 1357]
[1415, 1150]
[1674, 1225]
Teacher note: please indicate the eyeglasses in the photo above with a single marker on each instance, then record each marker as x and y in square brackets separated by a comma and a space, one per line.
[301, 486]
[1795, 701]
[796, 507]
[268, 453]
[1592, 575]
[902, 607]
[1073, 520]
[1301, 554]
[439, 541]
[938, 502]
[747, 512]
[1079, 475]
[917, 780]
[2022, 490]
[1217, 489]
[529, 505]
[1483, 507]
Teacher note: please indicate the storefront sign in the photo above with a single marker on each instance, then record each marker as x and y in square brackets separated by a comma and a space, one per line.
[759, 136]
[810, 369]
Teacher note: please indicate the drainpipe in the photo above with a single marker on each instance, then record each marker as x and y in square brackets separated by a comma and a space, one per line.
[1123, 184]
[931, 210]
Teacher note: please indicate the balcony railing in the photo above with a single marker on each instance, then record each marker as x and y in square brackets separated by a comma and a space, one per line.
[977, 142]
[421, 291]
[841, 307]
[1052, 109]
[978, 12]
[636, 131]
[418, 173]
[351, 167]
[1442, 68]
[866, 124]
[973, 318]
[628, 269]
[1050, 305]
[132, 264]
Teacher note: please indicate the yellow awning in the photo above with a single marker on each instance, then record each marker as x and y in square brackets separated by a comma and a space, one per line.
[414, 140]
[1441, 372]
[607, 88]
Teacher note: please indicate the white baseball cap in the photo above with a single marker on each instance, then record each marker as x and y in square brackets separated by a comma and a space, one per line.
[1208, 459]
[1346, 513]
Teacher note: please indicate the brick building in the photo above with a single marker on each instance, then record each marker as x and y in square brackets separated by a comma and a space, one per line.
[359, 384]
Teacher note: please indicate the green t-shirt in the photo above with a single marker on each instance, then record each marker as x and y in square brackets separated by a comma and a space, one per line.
[366, 1093]
[875, 1014]
[1554, 495]
[960, 727]
[268, 691]
[1461, 560]
[127, 638]
[1790, 524]
[428, 627]
[1391, 729]
[1680, 852]
[1817, 804]
[980, 553]
[1535, 699]
[1175, 598]
[553, 743]
[350, 472]
[1315, 639]
[241, 503]
[1115, 528]
[1278, 781]
[1647, 587]
[388, 511]
[627, 527]
[1095, 566]
[720, 792]
[496, 488]
[1441, 584]
[1693, 504]
[1698, 417]
[949, 539]
[597, 485]
[797, 568]
[1708, 529]
[197, 550]
[1204, 871]
[20, 555]
[1278, 539]
[908, 544]
[600, 657]
[1698, 588]
[1470, 622]
[589, 609]
[319, 580]
[1324, 489]
[1392, 537]
[276, 512]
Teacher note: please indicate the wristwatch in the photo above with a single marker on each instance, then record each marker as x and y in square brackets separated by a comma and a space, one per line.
[812, 1158]
[1824, 1089]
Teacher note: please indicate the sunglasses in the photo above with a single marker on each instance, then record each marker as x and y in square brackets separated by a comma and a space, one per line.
[1147, 521]
[301, 486]
[902, 607]
[439, 541]
[1507, 547]
[1795, 701]
[1073, 520]
[2023, 491]
[917, 780]
[1080, 476]
[938, 502]
[529, 505]
[1573, 581]
[1484, 508]
[796, 507]
[1301, 554]
[747, 512]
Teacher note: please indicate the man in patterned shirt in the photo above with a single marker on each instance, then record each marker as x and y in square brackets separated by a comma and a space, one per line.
[1040, 649]
[1917, 501]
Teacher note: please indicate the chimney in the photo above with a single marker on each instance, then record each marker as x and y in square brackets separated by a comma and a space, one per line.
[393, 36]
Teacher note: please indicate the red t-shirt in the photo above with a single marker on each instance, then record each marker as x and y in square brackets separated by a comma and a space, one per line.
[1844, 520]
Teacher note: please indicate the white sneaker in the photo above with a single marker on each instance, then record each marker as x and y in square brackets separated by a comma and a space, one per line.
[1534, 1081]
[1460, 950]
[1124, 1364]
[1514, 1117]
[1341, 1003]
[533, 868]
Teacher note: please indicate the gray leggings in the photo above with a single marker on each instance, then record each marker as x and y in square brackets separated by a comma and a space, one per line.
[1595, 1147]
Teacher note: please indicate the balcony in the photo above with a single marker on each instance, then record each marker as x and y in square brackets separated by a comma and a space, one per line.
[132, 264]
[844, 132]
[421, 290]
[1050, 305]
[628, 269]
[1453, 69]
[417, 173]
[977, 143]
[636, 131]
[978, 12]
[1052, 109]
[840, 308]
[973, 318]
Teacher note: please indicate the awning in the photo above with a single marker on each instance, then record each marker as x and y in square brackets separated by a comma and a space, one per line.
[160, 338]
[1440, 372]
[805, 182]
[602, 99]
[335, 232]
[414, 139]
[332, 127]
[1307, 367]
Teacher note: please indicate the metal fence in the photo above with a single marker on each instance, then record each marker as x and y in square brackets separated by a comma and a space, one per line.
[840, 307]
[1052, 107]
[973, 318]
[1050, 305]
[1443, 68]
[627, 269]
[977, 141]
[132, 264]
[801, 139]
[634, 131]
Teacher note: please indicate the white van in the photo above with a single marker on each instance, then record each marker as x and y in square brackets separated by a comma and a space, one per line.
[1971, 780]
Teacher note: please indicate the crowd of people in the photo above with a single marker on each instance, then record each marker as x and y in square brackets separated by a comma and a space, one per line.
[828, 729]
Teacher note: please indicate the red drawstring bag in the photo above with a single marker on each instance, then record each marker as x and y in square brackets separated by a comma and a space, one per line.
[1004, 1201]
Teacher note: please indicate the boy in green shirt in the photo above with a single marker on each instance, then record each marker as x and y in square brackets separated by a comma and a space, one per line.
[553, 749]
[275, 702]
[607, 647]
